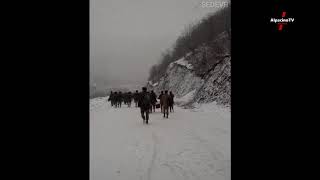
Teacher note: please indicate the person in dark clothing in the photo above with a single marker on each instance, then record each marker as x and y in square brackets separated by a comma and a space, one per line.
[115, 99]
[120, 99]
[171, 101]
[165, 103]
[150, 108]
[136, 98]
[125, 98]
[153, 101]
[144, 104]
[129, 99]
[161, 101]
[111, 98]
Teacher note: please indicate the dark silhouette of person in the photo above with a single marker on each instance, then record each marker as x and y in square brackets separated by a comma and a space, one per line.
[120, 99]
[153, 101]
[161, 101]
[171, 101]
[129, 98]
[115, 99]
[144, 104]
[165, 103]
[111, 96]
[136, 98]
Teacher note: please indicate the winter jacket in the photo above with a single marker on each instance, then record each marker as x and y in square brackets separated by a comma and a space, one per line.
[161, 102]
[143, 103]
[165, 100]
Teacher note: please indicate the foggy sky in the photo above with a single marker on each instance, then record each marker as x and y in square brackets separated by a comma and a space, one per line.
[128, 36]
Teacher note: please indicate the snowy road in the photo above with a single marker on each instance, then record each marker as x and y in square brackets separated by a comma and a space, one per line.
[190, 145]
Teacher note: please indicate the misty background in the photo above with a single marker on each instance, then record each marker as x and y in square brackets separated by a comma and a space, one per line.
[127, 37]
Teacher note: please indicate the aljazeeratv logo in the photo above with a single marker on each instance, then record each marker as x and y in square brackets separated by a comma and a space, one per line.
[282, 21]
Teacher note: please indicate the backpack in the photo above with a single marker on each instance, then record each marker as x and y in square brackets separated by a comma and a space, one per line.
[146, 99]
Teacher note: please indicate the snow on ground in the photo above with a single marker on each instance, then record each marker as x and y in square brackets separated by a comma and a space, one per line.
[191, 144]
[186, 98]
[185, 63]
[218, 110]
[98, 102]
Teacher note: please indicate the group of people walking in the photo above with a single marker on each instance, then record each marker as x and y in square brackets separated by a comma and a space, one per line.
[117, 98]
[146, 101]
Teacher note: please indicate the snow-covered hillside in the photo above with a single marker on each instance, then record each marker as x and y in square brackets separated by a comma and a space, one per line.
[191, 144]
[203, 76]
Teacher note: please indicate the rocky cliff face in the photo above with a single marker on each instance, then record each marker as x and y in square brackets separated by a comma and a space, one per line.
[217, 86]
[201, 76]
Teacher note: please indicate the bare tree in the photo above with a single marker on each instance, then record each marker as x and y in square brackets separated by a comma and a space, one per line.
[193, 36]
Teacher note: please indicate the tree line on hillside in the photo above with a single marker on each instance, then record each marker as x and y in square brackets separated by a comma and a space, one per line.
[193, 36]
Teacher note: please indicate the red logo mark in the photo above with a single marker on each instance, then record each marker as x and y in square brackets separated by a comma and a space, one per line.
[281, 24]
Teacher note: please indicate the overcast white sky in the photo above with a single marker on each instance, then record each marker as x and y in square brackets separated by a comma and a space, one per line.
[128, 36]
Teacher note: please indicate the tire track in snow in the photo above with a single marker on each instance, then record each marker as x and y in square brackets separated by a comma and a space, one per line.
[223, 166]
[154, 155]
[137, 148]
[197, 159]
[177, 170]
[187, 162]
